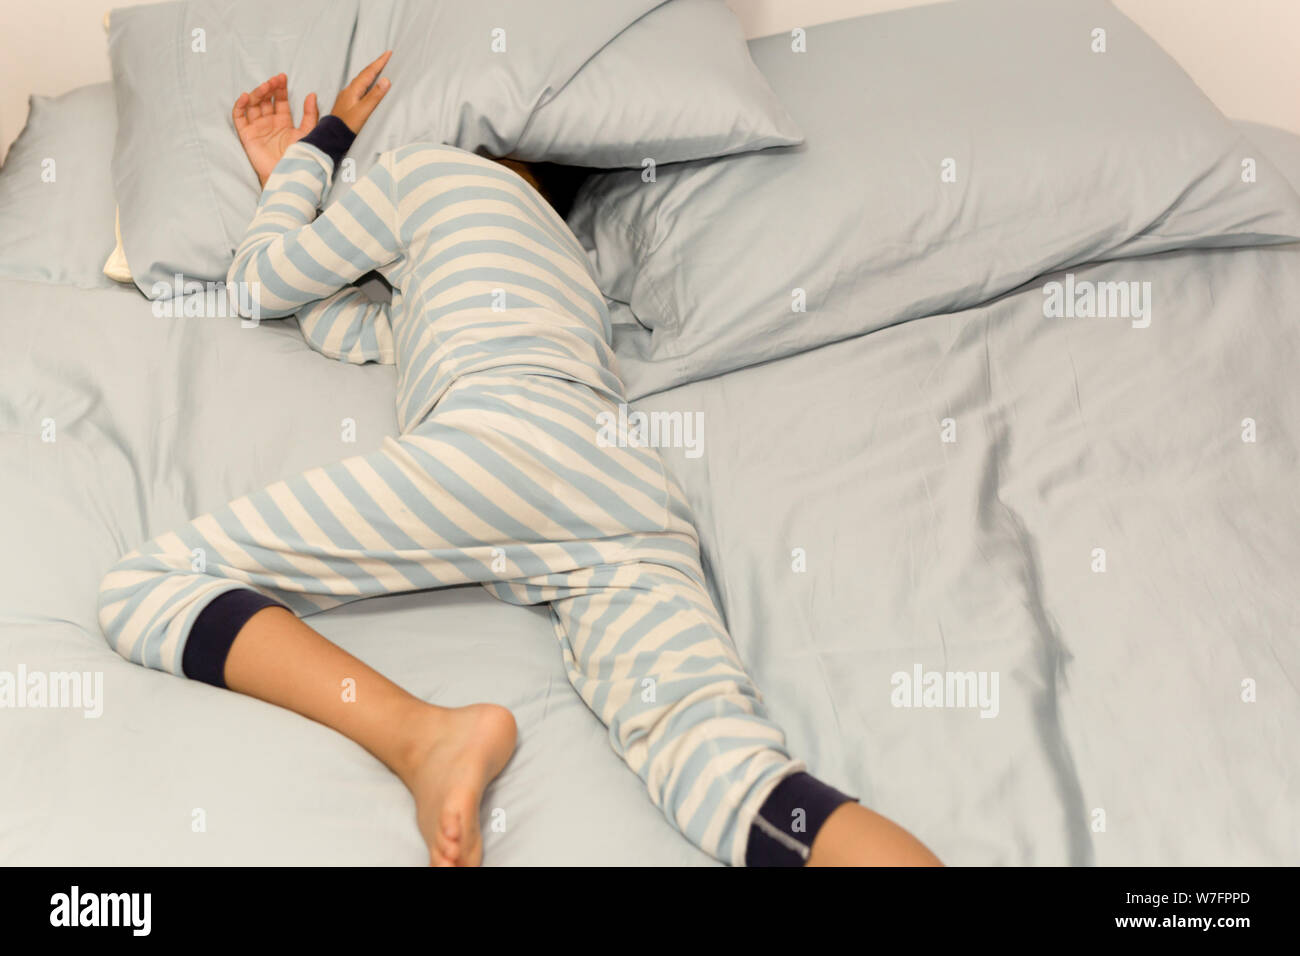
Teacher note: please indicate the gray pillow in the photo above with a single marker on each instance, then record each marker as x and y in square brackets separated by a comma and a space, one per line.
[185, 190]
[679, 84]
[953, 153]
[469, 73]
[463, 72]
[56, 191]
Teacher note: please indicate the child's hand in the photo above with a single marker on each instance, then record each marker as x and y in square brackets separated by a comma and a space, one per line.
[358, 99]
[265, 124]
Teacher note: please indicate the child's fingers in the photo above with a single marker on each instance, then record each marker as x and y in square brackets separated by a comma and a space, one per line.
[277, 98]
[281, 104]
[310, 114]
[263, 98]
[371, 100]
[240, 112]
[257, 98]
[366, 78]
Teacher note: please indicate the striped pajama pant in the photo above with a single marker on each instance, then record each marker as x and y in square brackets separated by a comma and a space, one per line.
[504, 484]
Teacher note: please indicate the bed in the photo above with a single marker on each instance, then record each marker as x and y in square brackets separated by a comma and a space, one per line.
[1084, 528]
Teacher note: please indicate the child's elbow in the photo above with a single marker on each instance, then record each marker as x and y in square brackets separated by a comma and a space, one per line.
[244, 288]
[244, 292]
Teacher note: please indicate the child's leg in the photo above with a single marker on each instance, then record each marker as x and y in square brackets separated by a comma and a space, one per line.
[445, 756]
[856, 836]
[506, 482]
[645, 649]
[465, 497]
[213, 601]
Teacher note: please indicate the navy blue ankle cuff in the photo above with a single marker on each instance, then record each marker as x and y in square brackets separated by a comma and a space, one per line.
[782, 833]
[215, 629]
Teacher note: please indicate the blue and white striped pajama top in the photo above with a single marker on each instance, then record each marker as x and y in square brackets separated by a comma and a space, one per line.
[500, 338]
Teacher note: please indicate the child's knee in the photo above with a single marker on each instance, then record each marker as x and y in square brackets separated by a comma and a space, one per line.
[123, 593]
[116, 589]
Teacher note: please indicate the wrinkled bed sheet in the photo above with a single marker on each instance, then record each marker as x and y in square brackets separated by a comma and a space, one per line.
[156, 420]
[1144, 714]
[1147, 706]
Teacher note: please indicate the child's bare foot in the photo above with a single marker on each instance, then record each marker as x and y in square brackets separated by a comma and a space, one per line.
[460, 751]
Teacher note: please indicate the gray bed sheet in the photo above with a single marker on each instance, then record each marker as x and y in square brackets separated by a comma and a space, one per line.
[1146, 713]
[1121, 735]
[158, 419]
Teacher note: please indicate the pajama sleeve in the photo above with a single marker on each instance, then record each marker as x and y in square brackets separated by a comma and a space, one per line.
[291, 259]
[348, 326]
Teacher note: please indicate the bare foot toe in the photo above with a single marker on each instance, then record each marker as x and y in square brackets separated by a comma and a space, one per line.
[464, 750]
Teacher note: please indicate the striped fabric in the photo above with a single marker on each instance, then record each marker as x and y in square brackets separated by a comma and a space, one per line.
[489, 276]
[497, 477]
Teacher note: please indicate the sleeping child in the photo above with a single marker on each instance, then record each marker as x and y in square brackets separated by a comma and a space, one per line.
[496, 477]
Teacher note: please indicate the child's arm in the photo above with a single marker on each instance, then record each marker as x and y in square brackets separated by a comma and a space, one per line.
[348, 326]
[290, 257]
[292, 261]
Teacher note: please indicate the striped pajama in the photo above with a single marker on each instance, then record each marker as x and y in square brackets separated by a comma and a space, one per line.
[496, 477]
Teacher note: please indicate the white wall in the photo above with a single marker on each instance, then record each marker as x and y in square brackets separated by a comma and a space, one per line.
[48, 47]
[1244, 53]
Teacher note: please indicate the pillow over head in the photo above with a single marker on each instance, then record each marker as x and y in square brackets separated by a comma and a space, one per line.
[679, 84]
[497, 78]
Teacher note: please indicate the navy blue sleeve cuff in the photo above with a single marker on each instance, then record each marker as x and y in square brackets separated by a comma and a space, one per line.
[215, 630]
[332, 137]
[786, 825]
